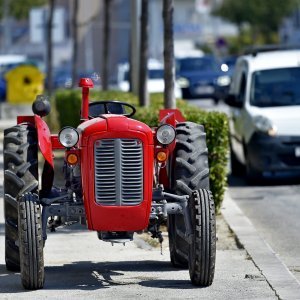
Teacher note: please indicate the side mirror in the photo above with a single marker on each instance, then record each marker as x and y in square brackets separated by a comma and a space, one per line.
[233, 101]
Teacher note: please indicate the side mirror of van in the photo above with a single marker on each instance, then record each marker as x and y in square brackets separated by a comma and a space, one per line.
[234, 101]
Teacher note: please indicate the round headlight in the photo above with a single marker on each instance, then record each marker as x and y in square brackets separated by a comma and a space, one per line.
[68, 137]
[166, 134]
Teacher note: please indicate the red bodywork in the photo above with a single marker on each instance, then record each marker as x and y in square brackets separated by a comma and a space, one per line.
[115, 218]
[100, 217]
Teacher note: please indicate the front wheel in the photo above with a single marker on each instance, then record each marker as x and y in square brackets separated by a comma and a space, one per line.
[202, 248]
[31, 242]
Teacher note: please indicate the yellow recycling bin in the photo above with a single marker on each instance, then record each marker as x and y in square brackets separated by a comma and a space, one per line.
[24, 83]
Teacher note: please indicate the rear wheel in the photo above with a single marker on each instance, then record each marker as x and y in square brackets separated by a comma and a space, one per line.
[31, 242]
[20, 176]
[190, 173]
[202, 250]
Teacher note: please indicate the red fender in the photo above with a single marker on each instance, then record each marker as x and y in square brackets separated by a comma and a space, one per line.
[44, 135]
[44, 138]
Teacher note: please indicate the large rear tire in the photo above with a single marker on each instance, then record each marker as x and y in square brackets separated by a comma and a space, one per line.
[31, 242]
[190, 173]
[202, 250]
[20, 176]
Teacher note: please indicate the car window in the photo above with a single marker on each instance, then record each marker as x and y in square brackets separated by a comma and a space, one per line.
[156, 74]
[197, 64]
[278, 87]
[242, 90]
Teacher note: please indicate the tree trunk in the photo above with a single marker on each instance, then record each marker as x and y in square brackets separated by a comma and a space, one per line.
[134, 46]
[143, 68]
[50, 46]
[75, 44]
[169, 74]
[106, 48]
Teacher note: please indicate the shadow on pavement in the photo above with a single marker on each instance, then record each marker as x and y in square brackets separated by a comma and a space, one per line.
[87, 275]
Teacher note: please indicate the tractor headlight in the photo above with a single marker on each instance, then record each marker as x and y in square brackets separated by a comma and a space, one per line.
[68, 137]
[165, 134]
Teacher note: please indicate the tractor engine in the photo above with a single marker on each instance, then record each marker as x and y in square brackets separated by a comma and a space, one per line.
[117, 173]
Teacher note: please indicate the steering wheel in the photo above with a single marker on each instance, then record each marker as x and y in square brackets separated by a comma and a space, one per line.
[110, 107]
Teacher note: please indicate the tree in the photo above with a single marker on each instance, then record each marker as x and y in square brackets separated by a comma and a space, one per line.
[169, 73]
[105, 44]
[264, 17]
[143, 66]
[75, 43]
[20, 9]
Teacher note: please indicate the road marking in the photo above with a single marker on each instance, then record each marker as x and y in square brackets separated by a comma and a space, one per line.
[279, 277]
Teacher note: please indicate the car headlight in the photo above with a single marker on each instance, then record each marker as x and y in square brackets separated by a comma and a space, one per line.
[223, 80]
[165, 134]
[183, 82]
[68, 137]
[263, 124]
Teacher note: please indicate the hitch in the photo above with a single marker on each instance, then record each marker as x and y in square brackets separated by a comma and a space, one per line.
[162, 207]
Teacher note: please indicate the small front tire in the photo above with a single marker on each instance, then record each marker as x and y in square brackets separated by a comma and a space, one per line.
[31, 242]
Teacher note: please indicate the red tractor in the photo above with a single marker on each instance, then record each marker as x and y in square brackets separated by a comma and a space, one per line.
[121, 177]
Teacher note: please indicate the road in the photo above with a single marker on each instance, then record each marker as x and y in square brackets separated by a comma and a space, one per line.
[79, 266]
[273, 208]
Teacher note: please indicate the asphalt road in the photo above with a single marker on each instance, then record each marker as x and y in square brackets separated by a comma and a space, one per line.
[273, 208]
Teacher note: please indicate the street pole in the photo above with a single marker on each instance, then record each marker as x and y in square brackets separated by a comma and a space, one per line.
[134, 46]
[169, 73]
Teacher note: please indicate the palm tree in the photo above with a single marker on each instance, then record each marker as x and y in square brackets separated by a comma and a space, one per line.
[169, 74]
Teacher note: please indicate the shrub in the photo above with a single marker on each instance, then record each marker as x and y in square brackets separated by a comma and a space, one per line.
[216, 126]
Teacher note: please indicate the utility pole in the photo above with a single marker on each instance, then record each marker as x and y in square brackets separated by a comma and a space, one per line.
[134, 46]
[143, 69]
[169, 74]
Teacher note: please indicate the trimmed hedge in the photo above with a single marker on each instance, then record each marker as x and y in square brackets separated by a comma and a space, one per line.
[67, 104]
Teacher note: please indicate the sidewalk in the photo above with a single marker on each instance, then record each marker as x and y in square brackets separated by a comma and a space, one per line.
[250, 273]
[279, 278]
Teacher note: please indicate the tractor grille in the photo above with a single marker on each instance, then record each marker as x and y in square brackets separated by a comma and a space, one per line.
[118, 172]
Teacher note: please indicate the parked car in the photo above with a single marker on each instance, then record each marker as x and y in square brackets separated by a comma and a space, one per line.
[202, 77]
[265, 108]
[155, 82]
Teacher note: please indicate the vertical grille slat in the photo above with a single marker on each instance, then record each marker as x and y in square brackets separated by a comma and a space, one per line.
[118, 172]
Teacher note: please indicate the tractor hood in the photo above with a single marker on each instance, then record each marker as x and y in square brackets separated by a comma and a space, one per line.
[114, 124]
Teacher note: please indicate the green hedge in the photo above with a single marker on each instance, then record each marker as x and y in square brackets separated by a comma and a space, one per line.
[67, 104]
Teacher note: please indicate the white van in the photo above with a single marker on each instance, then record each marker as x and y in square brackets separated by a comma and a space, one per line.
[264, 98]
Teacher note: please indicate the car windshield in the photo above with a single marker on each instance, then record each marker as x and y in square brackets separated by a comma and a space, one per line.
[278, 87]
[197, 64]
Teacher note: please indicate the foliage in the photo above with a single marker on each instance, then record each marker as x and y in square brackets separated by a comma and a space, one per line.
[216, 126]
[263, 17]
[20, 9]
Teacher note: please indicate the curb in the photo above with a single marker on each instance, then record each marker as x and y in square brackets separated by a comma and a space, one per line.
[278, 276]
